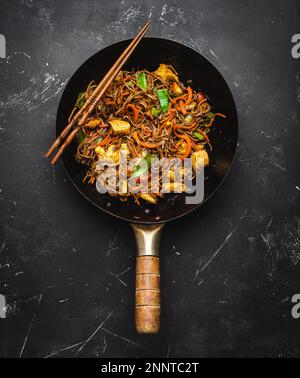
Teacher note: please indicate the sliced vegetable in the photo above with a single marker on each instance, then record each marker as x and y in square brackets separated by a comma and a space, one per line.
[80, 136]
[188, 118]
[80, 100]
[141, 80]
[162, 95]
[155, 112]
[99, 140]
[210, 115]
[198, 135]
[200, 97]
[140, 170]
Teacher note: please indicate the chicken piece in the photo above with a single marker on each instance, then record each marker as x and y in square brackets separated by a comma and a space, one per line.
[92, 123]
[113, 153]
[181, 145]
[100, 151]
[198, 158]
[171, 175]
[191, 106]
[176, 187]
[166, 73]
[124, 147]
[175, 89]
[148, 197]
[119, 126]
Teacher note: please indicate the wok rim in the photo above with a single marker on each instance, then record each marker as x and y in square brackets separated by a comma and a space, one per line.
[189, 210]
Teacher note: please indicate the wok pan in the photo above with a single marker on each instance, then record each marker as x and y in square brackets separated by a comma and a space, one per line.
[148, 220]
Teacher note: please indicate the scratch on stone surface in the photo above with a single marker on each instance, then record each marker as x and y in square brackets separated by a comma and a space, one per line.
[215, 254]
[213, 54]
[172, 16]
[38, 91]
[284, 300]
[118, 336]
[218, 250]
[94, 333]
[64, 300]
[275, 158]
[2, 246]
[118, 278]
[297, 187]
[283, 242]
[30, 326]
[124, 271]
[195, 43]
[174, 249]
[112, 244]
[276, 164]
[169, 349]
[269, 241]
[64, 349]
[269, 224]
[54, 176]
[171, 335]
[105, 345]
[128, 17]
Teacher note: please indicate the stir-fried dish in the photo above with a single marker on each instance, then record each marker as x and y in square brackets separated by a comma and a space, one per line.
[147, 115]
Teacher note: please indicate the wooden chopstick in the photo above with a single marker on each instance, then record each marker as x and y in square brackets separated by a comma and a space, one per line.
[105, 86]
[92, 101]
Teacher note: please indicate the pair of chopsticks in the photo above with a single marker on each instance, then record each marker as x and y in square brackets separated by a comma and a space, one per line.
[79, 119]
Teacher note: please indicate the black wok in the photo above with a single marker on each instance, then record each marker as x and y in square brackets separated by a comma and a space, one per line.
[148, 220]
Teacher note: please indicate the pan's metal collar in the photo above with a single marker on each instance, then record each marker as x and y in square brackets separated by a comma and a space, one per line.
[147, 238]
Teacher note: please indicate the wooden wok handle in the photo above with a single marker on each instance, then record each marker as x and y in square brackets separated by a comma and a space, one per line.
[147, 294]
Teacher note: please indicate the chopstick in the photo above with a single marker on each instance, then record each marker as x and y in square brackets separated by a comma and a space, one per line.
[95, 97]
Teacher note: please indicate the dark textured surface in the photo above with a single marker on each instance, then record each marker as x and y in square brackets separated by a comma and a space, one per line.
[229, 270]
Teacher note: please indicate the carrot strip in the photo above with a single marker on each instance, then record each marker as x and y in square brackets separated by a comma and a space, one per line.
[182, 108]
[174, 100]
[168, 119]
[145, 144]
[213, 118]
[170, 116]
[105, 141]
[188, 145]
[178, 126]
[190, 96]
[187, 139]
[202, 101]
[135, 112]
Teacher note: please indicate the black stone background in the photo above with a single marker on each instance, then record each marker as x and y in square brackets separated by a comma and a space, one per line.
[229, 270]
